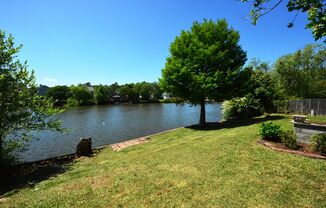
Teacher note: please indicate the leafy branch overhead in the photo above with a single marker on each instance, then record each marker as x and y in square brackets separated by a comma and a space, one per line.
[315, 10]
[22, 111]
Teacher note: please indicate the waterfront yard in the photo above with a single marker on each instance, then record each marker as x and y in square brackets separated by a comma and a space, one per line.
[222, 166]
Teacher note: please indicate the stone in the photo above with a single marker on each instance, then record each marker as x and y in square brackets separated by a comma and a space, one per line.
[299, 118]
[304, 131]
[84, 147]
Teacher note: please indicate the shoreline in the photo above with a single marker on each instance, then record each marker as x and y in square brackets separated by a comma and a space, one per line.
[72, 156]
[19, 171]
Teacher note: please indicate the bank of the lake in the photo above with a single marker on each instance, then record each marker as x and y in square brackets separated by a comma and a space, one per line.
[222, 166]
[108, 124]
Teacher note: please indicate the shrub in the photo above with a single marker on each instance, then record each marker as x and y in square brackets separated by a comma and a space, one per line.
[319, 143]
[289, 139]
[270, 131]
[72, 102]
[9, 157]
[245, 107]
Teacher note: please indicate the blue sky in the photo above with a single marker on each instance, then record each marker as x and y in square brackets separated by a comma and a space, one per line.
[77, 41]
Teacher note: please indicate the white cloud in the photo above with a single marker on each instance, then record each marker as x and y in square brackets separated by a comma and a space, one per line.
[50, 79]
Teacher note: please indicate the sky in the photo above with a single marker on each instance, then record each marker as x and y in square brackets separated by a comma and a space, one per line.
[77, 41]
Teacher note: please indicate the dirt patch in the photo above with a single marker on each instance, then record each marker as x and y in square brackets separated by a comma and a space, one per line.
[304, 149]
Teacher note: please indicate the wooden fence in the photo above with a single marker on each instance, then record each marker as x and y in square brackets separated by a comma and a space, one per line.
[304, 106]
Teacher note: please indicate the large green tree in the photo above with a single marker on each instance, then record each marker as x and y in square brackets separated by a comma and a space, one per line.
[204, 63]
[302, 74]
[21, 109]
[315, 10]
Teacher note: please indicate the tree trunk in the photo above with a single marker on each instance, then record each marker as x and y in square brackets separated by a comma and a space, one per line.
[1, 151]
[202, 119]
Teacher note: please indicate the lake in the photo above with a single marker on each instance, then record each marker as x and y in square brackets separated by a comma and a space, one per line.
[114, 123]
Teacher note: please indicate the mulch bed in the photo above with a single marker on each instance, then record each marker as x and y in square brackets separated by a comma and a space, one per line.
[304, 149]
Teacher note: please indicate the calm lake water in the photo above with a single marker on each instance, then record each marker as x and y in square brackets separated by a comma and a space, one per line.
[114, 123]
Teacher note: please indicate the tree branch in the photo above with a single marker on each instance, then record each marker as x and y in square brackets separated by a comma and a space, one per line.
[271, 9]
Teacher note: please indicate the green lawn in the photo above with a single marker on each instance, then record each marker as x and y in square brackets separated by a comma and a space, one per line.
[317, 119]
[224, 167]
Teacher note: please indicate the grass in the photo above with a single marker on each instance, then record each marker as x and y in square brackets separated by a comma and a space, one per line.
[321, 119]
[220, 167]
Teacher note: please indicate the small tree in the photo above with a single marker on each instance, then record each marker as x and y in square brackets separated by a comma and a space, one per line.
[21, 109]
[145, 90]
[59, 94]
[261, 85]
[204, 63]
[128, 93]
[80, 95]
[101, 94]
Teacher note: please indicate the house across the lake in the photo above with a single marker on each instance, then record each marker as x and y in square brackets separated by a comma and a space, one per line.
[166, 95]
[116, 98]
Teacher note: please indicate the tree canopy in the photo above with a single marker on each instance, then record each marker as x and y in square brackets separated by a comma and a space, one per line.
[59, 94]
[101, 94]
[315, 10]
[261, 85]
[302, 74]
[204, 62]
[80, 95]
[21, 109]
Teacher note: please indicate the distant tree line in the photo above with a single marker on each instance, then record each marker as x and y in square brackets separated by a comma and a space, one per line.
[86, 94]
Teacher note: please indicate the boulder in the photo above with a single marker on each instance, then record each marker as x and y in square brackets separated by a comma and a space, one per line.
[84, 147]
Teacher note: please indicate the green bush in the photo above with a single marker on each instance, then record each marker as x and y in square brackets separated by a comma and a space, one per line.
[72, 102]
[239, 108]
[289, 139]
[319, 143]
[270, 131]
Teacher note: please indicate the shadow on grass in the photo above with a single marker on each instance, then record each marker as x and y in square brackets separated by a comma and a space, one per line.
[235, 123]
[29, 174]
